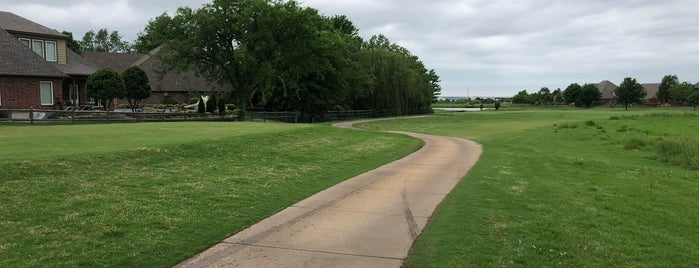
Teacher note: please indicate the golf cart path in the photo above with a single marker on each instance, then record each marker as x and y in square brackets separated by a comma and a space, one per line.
[370, 220]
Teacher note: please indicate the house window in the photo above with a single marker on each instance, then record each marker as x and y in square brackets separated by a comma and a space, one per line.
[51, 51]
[38, 47]
[46, 93]
[25, 42]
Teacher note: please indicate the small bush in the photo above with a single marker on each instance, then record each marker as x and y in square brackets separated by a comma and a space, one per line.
[634, 144]
[683, 152]
[567, 125]
[624, 129]
[590, 123]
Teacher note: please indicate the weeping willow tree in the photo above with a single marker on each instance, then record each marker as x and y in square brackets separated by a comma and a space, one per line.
[401, 82]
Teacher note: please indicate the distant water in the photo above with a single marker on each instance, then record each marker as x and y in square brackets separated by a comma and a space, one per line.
[460, 109]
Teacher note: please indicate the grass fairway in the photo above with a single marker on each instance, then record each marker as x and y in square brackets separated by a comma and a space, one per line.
[567, 188]
[150, 195]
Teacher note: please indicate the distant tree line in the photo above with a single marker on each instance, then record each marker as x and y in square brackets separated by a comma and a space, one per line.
[629, 92]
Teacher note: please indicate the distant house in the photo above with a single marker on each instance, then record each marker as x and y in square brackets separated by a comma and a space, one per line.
[651, 90]
[607, 89]
[37, 70]
[172, 87]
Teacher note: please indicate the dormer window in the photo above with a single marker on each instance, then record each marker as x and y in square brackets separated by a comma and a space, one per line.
[45, 49]
[51, 51]
[26, 42]
[38, 47]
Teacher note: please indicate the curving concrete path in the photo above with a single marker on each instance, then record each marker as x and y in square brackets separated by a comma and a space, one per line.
[367, 221]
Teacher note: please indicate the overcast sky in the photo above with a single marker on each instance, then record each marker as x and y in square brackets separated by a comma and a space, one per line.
[478, 47]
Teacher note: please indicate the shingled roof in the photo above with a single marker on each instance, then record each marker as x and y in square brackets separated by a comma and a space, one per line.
[172, 82]
[116, 61]
[16, 24]
[651, 89]
[607, 88]
[76, 65]
[18, 60]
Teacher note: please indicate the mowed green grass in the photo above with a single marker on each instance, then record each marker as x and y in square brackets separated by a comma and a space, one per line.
[566, 188]
[151, 195]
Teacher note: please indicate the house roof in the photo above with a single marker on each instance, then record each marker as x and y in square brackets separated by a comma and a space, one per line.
[13, 23]
[651, 89]
[19, 60]
[116, 61]
[172, 82]
[76, 65]
[607, 88]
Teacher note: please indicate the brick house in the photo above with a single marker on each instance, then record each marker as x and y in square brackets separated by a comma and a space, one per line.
[37, 70]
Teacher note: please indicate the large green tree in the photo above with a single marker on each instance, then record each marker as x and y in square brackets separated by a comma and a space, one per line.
[544, 96]
[664, 89]
[73, 44]
[589, 94]
[312, 64]
[136, 85]
[522, 97]
[629, 92]
[694, 98]
[105, 85]
[572, 93]
[154, 34]
[680, 93]
[227, 41]
[557, 96]
[401, 82]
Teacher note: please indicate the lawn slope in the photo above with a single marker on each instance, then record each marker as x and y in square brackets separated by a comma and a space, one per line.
[150, 195]
[567, 188]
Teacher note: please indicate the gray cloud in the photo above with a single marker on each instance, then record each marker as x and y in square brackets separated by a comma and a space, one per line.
[491, 48]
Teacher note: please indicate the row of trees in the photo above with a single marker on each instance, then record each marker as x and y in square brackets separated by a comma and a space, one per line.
[629, 92]
[284, 57]
[101, 41]
[107, 84]
[671, 89]
[585, 95]
[287, 57]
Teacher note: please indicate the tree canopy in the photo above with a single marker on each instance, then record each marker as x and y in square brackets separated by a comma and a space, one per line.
[73, 44]
[589, 94]
[105, 85]
[680, 93]
[694, 98]
[630, 92]
[104, 41]
[664, 89]
[287, 57]
[136, 85]
[572, 93]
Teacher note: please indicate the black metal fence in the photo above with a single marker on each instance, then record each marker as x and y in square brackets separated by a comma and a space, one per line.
[77, 116]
